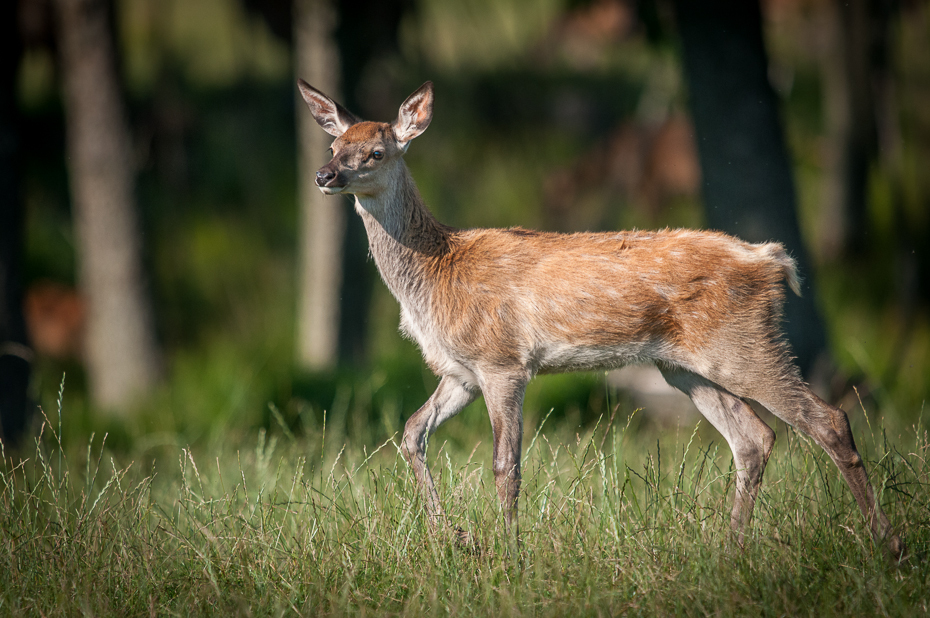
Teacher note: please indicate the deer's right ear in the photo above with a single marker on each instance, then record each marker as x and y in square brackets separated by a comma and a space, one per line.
[334, 118]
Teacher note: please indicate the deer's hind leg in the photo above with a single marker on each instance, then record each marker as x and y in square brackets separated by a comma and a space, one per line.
[792, 401]
[750, 438]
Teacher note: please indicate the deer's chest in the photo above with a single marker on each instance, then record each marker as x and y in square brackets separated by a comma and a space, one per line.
[440, 357]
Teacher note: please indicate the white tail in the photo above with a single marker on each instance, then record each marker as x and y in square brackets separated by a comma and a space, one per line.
[491, 308]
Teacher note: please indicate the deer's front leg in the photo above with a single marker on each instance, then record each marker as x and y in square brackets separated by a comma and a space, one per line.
[504, 398]
[450, 398]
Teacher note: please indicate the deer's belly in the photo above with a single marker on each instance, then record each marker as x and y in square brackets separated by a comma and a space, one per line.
[559, 357]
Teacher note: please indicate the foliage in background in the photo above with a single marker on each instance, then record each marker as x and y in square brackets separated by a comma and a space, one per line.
[213, 109]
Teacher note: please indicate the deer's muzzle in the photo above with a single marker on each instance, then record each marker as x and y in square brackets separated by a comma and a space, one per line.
[328, 180]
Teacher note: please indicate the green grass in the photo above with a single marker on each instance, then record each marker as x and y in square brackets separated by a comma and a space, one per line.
[614, 520]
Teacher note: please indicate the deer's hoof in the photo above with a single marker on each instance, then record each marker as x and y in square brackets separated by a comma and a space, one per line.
[466, 541]
[896, 548]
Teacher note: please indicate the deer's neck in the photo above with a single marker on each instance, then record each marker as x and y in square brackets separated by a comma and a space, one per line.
[403, 235]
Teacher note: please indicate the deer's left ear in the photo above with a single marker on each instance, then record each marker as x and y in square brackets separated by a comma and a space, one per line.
[414, 115]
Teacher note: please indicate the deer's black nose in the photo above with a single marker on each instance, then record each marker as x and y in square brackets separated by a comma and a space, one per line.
[324, 176]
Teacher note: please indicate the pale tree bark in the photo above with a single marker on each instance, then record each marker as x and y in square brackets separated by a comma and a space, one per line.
[121, 351]
[322, 219]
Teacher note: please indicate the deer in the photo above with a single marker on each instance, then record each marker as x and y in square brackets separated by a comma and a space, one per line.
[492, 308]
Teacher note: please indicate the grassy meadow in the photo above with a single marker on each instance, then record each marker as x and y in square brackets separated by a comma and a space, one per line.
[619, 517]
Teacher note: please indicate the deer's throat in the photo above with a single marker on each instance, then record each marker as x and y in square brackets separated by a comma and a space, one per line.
[405, 240]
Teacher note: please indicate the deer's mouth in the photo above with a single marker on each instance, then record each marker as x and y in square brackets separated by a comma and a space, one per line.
[330, 190]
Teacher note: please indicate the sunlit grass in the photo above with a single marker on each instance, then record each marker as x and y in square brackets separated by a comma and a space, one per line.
[614, 520]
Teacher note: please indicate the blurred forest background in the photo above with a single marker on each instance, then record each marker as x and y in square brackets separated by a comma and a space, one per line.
[155, 158]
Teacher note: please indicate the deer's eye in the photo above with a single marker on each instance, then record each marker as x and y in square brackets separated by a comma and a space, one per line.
[377, 155]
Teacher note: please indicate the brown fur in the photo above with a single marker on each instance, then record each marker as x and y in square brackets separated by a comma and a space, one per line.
[492, 308]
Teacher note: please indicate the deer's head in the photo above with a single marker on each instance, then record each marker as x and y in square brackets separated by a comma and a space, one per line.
[366, 154]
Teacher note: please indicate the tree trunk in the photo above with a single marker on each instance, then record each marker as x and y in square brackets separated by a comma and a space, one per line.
[748, 186]
[122, 357]
[855, 73]
[15, 354]
[322, 219]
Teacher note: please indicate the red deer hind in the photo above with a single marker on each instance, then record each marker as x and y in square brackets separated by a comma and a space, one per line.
[491, 308]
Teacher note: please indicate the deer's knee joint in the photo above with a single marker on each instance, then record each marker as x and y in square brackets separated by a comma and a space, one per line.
[755, 453]
[507, 467]
[768, 441]
[411, 444]
[750, 470]
[853, 460]
[409, 451]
